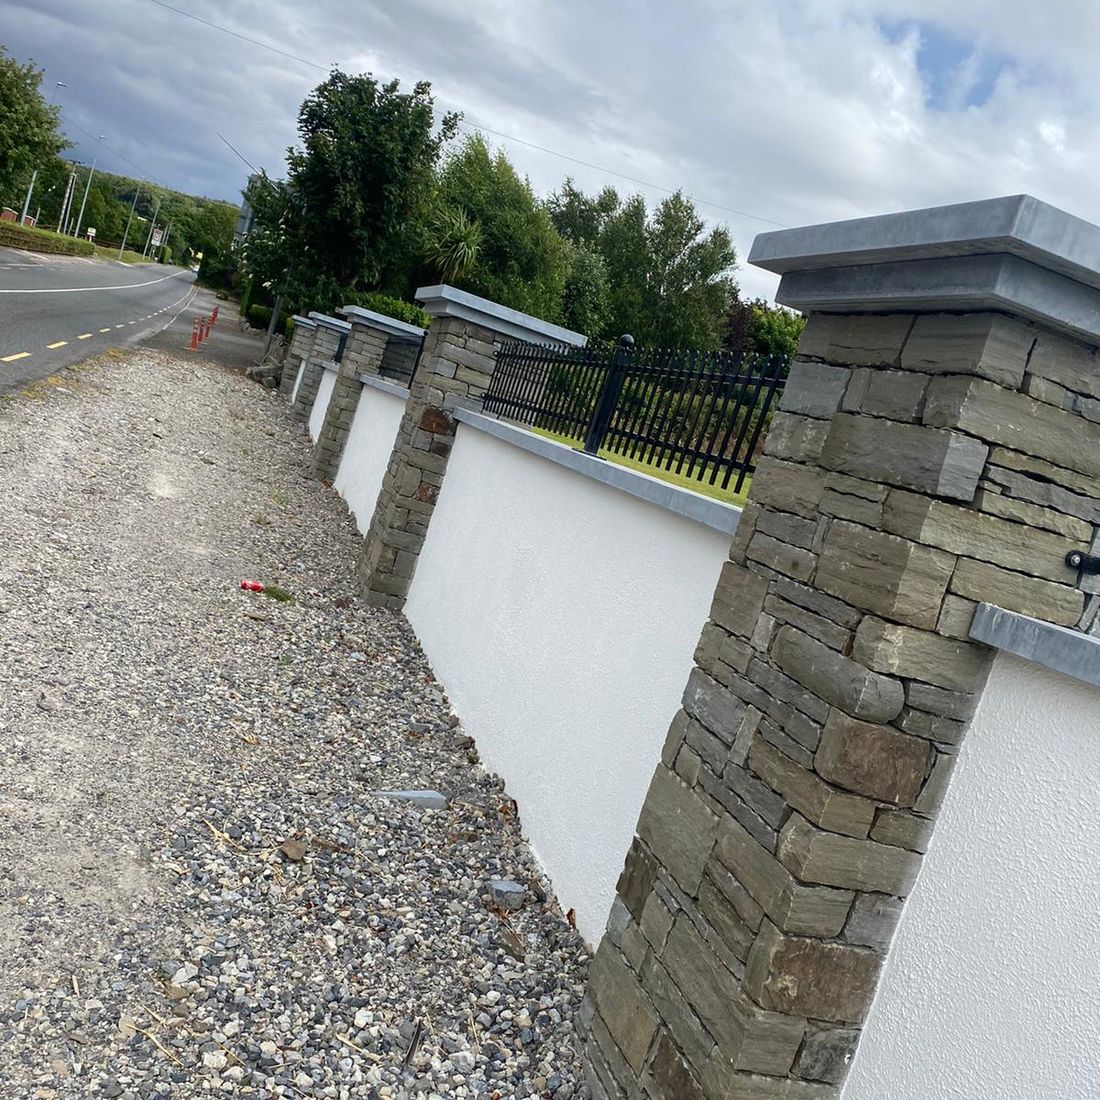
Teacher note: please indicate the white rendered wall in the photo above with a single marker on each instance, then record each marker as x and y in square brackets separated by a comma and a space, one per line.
[367, 452]
[297, 381]
[320, 405]
[561, 615]
[992, 987]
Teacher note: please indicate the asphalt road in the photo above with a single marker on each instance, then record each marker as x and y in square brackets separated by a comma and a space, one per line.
[58, 310]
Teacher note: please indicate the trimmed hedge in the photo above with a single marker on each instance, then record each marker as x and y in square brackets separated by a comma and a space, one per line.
[259, 316]
[14, 235]
[390, 307]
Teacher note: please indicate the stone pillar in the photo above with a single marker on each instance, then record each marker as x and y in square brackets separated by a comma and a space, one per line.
[455, 366]
[371, 334]
[300, 343]
[937, 445]
[324, 349]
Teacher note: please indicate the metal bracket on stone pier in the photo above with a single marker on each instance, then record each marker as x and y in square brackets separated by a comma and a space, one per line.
[1086, 563]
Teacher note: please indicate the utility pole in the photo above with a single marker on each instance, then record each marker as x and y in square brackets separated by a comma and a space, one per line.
[152, 227]
[122, 247]
[62, 218]
[164, 243]
[27, 200]
[87, 188]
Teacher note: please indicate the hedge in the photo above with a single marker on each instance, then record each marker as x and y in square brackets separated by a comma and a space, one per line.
[259, 316]
[14, 235]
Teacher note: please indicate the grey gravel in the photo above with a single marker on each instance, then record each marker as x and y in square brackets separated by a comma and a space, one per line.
[199, 893]
[506, 893]
[428, 800]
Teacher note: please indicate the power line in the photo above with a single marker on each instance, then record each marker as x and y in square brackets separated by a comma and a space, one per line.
[466, 125]
[88, 133]
[250, 165]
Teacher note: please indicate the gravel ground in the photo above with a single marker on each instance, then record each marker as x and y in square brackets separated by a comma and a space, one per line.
[200, 894]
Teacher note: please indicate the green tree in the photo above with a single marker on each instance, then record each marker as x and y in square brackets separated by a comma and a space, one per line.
[585, 298]
[29, 133]
[522, 261]
[754, 327]
[578, 217]
[362, 178]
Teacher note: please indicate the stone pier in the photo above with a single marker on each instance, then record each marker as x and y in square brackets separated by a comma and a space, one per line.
[454, 369]
[323, 351]
[367, 345]
[937, 445]
[300, 343]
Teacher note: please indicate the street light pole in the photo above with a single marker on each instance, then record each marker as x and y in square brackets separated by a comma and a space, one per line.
[152, 228]
[87, 188]
[122, 248]
[27, 200]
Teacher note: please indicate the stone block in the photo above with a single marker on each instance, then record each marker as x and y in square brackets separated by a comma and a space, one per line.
[1014, 420]
[814, 389]
[921, 655]
[935, 786]
[722, 916]
[656, 922]
[720, 1083]
[902, 830]
[884, 573]
[676, 1014]
[789, 690]
[781, 611]
[758, 796]
[958, 705]
[787, 486]
[826, 1054]
[1067, 362]
[790, 905]
[713, 705]
[707, 746]
[873, 920]
[845, 862]
[622, 1003]
[984, 583]
[956, 617]
[834, 982]
[859, 340]
[924, 458]
[1020, 511]
[796, 438]
[932, 727]
[1045, 494]
[669, 1077]
[748, 909]
[839, 502]
[837, 679]
[638, 875]
[807, 793]
[738, 598]
[893, 394]
[1043, 389]
[791, 561]
[988, 345]
[725, 798]
[786, 527]
[813, 600]
[873, 760]
[677, 827]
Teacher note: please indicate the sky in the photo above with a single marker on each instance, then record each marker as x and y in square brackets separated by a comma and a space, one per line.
[767, 113]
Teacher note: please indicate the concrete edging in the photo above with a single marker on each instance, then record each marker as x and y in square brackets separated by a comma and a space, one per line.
[377, 383]
[682, 502]
[1055, 647]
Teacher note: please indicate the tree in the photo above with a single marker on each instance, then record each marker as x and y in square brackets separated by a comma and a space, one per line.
[577, 217]
[29, 132]
[584, 300]
[756, 328]
[362, 178]
[522, 261]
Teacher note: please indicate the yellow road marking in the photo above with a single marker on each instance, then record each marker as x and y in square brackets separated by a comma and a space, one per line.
[107, 329]
[85, 336]
[17, 355]
[58, 344]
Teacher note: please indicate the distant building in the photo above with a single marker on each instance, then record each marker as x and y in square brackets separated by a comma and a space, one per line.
[243, 224]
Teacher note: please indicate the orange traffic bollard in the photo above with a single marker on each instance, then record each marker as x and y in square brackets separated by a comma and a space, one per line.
[194, 335]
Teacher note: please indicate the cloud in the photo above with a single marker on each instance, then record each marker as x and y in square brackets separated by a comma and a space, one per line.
[795, 111]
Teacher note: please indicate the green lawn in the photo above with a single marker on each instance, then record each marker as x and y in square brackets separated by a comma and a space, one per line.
[726, 496]
[127, 257]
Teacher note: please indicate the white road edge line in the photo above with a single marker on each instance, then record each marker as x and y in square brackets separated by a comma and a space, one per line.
[87, 289]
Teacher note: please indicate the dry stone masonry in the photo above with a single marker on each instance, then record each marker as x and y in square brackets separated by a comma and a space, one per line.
[937, 446]
[370, 337]
[322, 352]
[300, 343]
[455, 366]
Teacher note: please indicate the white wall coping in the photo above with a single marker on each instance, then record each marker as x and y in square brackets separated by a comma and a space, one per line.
[1056, 647]
[683, 502]
[449, 301]
[330, 365]
[392, 388]
[298, 319]
[334, 323]
[357, 315]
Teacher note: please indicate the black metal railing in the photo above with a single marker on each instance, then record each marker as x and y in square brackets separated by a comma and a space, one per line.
[400, 359]
[701, 415]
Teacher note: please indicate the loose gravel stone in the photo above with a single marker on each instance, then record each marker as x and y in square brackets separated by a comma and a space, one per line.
[202, 892]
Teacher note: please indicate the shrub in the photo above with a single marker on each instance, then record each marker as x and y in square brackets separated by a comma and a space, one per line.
[218, 269]
[390, 307]
[13, 235]
[259, 316]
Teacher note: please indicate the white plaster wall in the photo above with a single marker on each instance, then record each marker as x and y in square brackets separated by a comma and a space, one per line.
[992, 987]
[297, 381]
[320, 405]
[367, 452]
[561, 615]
